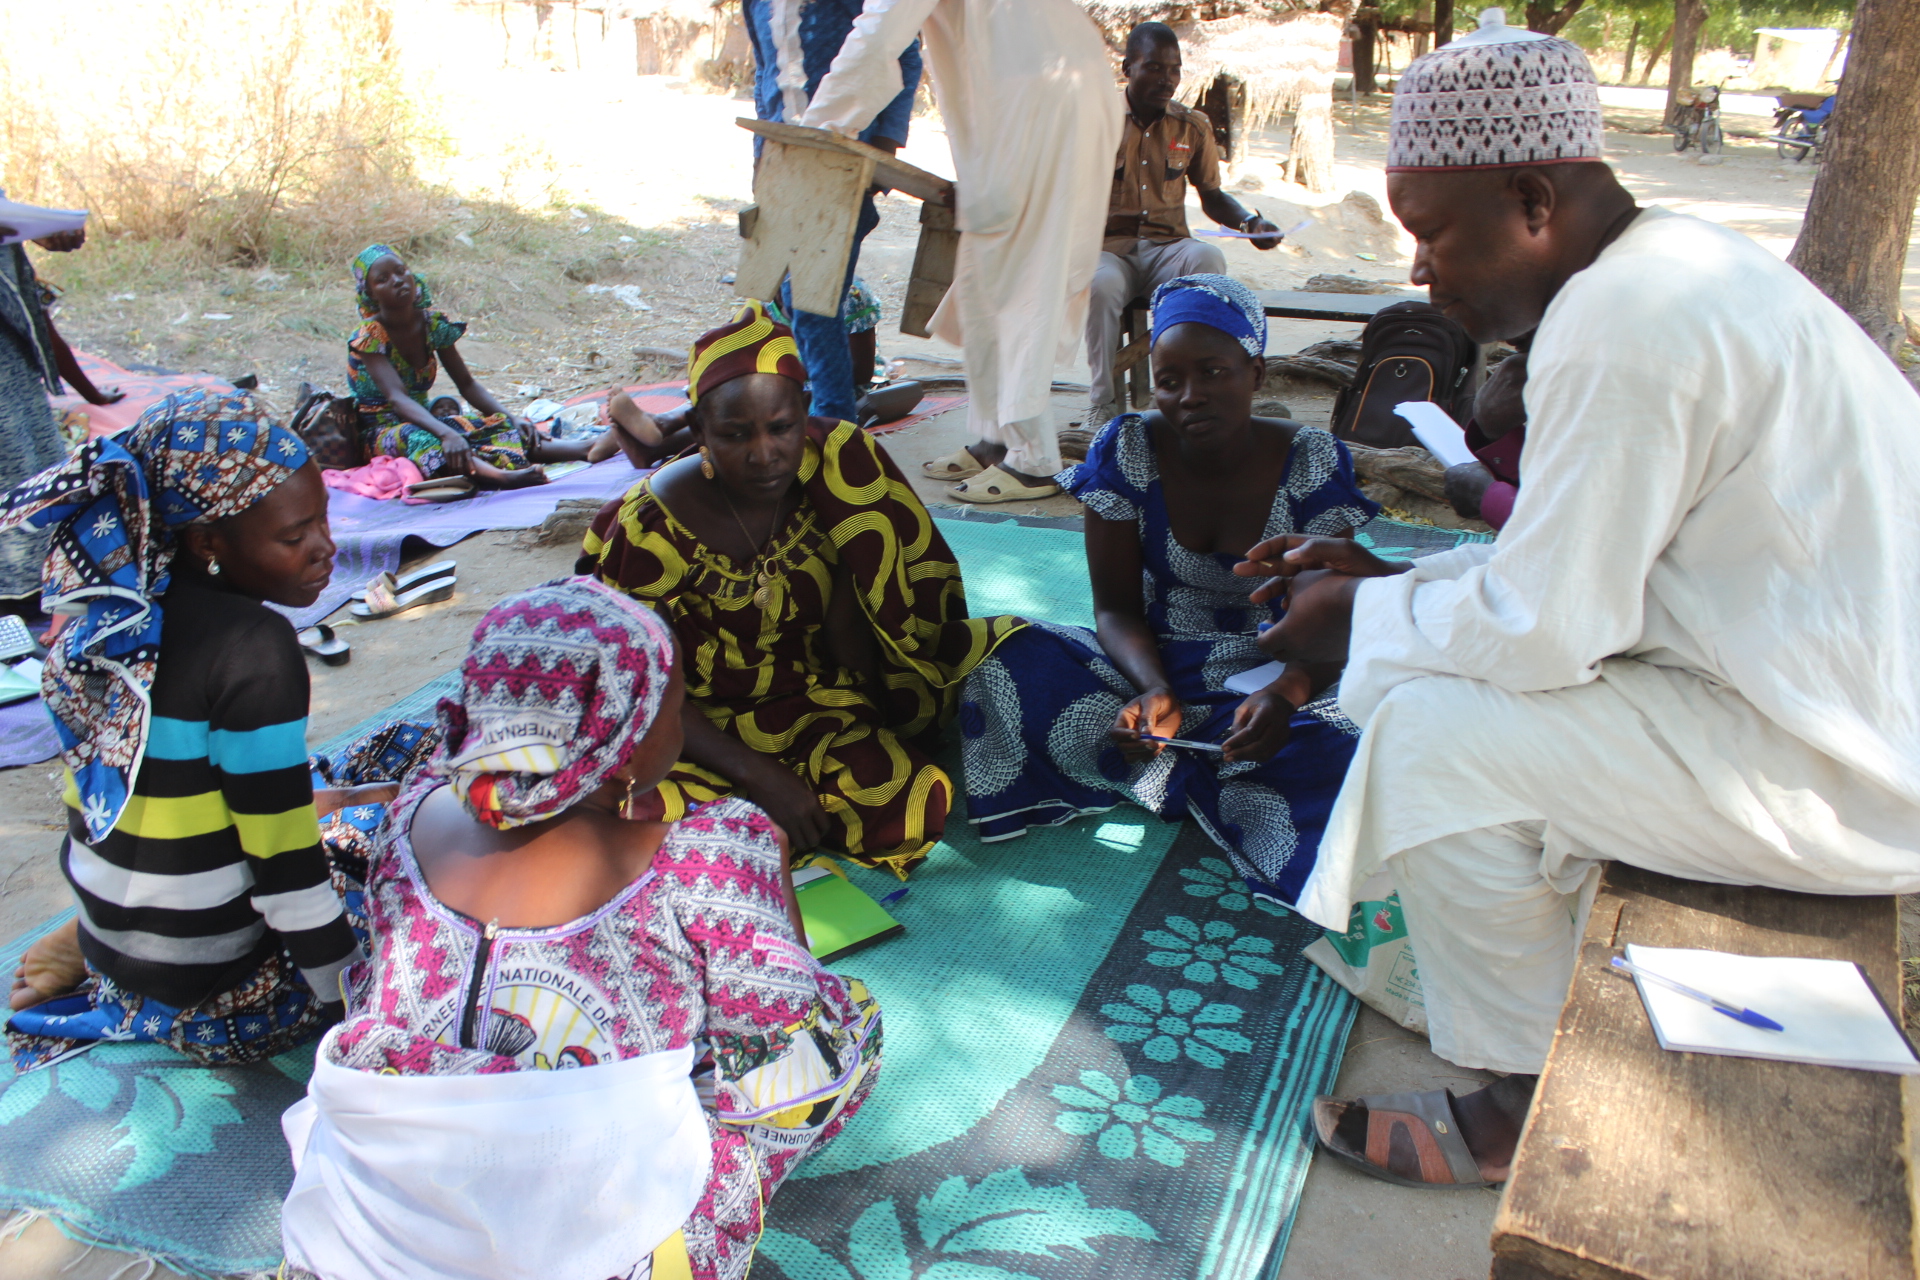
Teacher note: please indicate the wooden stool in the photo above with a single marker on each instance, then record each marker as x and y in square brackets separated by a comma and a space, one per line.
[807, 192]
[1132, 370]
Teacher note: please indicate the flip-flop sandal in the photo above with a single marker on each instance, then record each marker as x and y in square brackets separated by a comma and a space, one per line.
[443, 489]
[411, 579]
[320, 641]
[1416, 1132]
[381, 602]
[995, 485]
[955, 466]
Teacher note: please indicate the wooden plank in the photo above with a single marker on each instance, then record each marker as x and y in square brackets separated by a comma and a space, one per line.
[1289, 304]
[889, 170]
[933, 265]
[1139, 370]
[1640, 1164]
[808, 200]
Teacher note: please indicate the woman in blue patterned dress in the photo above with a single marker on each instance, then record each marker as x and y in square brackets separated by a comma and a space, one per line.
[1053, 722]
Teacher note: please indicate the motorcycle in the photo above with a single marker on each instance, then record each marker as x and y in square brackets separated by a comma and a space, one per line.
[1800, 125]
[1696, 118]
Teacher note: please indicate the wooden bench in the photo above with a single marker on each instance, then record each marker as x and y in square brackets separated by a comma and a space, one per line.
[1283, 304]
[1640, 1164]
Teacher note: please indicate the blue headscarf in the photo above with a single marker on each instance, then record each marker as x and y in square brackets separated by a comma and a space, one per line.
[1220, 302]
[115, 504]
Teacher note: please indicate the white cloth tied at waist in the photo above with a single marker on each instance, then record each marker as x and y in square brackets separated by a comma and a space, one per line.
[576, 1174]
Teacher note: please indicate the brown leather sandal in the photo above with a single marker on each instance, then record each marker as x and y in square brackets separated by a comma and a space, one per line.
[1412, 1139]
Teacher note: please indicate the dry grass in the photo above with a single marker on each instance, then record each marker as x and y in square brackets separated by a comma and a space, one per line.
[238, 131]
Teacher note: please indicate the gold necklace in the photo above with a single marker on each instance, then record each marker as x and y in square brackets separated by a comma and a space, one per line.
[763, 580]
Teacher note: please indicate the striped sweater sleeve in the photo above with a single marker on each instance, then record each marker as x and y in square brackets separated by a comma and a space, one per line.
[257, 744]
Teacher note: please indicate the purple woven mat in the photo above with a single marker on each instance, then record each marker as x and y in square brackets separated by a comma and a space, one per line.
[368, 532]
[26, 734]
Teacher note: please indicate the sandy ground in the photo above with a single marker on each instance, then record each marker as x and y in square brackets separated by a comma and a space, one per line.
[661, 218]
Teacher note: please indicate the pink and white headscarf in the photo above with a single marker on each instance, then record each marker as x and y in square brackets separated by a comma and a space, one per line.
[559, 686]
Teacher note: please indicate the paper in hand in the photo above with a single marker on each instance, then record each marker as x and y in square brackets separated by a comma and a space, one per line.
[1224, 234]
[1441, 435]
[31, 222]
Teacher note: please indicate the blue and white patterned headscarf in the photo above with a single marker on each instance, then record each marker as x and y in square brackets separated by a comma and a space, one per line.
[115, 507]
[1220, 302]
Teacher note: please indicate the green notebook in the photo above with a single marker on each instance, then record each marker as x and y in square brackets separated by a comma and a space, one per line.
[839, 916]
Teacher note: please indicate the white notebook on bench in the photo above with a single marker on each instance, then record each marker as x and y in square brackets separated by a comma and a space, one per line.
[1831, 1016]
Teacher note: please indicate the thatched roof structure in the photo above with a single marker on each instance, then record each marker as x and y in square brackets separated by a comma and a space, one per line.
[1274, 53]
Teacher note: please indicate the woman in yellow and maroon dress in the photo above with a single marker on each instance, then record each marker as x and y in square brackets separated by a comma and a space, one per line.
[821, 614]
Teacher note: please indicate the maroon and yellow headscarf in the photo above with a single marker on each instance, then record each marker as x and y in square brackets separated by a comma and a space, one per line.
[752, 342]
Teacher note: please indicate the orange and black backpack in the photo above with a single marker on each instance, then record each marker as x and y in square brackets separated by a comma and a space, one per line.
[1410, 351]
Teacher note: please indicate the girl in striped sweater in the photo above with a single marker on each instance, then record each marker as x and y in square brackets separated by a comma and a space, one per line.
[208, 917]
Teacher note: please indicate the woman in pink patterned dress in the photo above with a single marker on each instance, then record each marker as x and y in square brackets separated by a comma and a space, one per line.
[523, 926]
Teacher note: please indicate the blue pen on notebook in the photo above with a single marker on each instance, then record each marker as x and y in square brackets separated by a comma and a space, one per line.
[1188, 743]
[1733, 1011]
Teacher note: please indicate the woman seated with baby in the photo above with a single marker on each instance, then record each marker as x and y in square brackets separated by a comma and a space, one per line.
[820, 611]
[393, 360]
[1062, 721]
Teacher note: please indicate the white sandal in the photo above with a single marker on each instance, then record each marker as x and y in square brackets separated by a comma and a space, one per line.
[995, 485]
[383, 602]
[955, 466]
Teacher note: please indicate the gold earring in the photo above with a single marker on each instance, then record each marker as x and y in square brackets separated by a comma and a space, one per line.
[706, 463]
[213, 566]
[626, 806]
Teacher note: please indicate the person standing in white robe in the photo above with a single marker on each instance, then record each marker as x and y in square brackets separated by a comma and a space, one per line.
[1695, 646]
[1026, 90]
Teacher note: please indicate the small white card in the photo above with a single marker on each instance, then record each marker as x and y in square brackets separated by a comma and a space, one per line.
[1443, 437]
[1252, 682]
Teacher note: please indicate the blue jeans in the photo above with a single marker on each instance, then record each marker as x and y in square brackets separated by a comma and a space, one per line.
[823, 339]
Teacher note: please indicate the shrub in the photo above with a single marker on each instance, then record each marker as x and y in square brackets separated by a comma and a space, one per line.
[252, 131]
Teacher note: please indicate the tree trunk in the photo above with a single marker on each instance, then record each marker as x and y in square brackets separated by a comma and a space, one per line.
[1688, 15]
[1442, 22]
[1363, 35]
[1633, 38]
[1853, 244]
[1421, 40]
[1311, 162]
[1653, 59]
[1547, 16]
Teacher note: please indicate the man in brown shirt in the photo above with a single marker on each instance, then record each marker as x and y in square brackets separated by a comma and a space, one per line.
[1163, 147]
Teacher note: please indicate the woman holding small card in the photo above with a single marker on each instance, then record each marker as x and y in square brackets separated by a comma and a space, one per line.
[1062, 721]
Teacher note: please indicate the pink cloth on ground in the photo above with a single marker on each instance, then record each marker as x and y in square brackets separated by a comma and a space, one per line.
[381, 478]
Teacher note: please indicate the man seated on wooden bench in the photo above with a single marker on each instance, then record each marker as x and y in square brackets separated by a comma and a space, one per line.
[1694, 648]
[1163, 147]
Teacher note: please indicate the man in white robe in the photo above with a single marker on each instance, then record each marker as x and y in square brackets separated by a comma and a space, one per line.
[1026, 91]
[1695, 646]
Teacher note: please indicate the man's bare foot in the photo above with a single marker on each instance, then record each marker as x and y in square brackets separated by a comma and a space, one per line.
[1429, 1139]
[1491, 1120]
[605, 447]
[51, 967]
[634, 420]
[989, 453]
